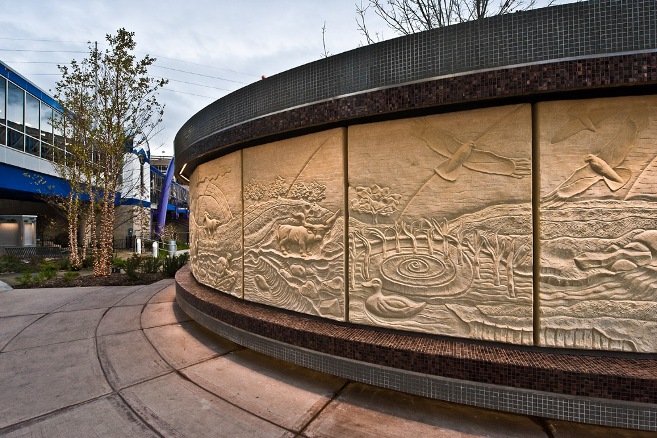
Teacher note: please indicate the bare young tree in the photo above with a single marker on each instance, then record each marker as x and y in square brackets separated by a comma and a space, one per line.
[110, 102]
[405, 17]
[75, 93]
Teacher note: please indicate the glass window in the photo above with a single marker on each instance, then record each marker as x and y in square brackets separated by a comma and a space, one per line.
[31, 145]
[15, 104]
[47, 151]
[3, 113]
[15, 139]
[3, 133]
[32, 105]
[58, 133]
[58, 155]
[46, 123]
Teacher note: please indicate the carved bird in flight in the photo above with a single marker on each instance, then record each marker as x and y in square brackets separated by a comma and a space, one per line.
[581, 118]
[602, 166]
[460, 154]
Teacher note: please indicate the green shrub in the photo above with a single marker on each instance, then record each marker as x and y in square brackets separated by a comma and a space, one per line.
[46, 274]
[150, 265]
[48, 265]
[88, 262]
[118, 262]
[9, 263]
[25, 278]
[64, 264]
[173, 263]
[68, 276]
[131, 266]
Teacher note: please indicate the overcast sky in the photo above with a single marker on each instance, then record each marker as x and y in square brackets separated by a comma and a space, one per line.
[206, 48]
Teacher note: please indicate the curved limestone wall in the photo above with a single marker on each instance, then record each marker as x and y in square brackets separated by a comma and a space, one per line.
[512, 202]
[426, 224]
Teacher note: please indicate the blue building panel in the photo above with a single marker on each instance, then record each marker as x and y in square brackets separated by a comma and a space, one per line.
[23, 180]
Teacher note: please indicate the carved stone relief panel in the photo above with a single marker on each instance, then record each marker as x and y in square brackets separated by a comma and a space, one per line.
[215, 223]
[294, 224]
[440, 224]
[598, 224]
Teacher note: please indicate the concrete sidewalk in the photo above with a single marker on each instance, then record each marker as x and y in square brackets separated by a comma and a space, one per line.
[127, 362]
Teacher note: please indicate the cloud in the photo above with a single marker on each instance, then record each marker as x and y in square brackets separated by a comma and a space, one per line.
[241, 40]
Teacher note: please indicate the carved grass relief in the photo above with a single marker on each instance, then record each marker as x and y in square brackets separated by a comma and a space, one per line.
[294, 224]
[215, 224]
[598, 281]
[440, 226]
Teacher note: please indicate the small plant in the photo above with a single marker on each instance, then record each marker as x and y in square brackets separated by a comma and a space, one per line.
[173, 263]
[25, 278]
[132, 265]
[64, 264]
[118, 263]
[46, 274]
[68, 276]
[169, 232]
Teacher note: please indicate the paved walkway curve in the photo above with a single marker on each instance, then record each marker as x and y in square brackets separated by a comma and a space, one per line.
[127, 362]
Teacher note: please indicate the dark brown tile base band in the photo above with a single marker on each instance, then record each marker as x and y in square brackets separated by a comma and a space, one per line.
[605, 390]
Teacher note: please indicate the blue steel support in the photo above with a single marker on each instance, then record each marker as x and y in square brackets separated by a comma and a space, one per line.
[164, 199]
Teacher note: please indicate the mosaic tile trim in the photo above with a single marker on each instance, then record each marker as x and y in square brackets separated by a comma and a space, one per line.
[590, 28]
[603, 73]
[629, 378]
[570, 408]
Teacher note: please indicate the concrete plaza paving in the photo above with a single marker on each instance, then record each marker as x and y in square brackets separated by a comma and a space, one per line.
[128, 362]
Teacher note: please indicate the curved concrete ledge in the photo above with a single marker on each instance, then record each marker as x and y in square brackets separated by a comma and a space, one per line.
[576, 387]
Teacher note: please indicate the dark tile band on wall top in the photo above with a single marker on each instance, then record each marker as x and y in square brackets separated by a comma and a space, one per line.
[527, 83]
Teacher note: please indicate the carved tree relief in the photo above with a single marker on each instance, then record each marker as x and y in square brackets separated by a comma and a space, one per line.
[440, 224]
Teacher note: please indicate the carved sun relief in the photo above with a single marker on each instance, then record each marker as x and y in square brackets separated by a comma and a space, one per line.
[440, 227]
[598, 281]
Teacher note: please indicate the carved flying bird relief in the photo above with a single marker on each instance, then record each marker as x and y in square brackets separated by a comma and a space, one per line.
[460, 154]
[602, 166]
[581, 117]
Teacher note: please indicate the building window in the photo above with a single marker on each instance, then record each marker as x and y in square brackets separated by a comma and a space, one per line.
[3, 112]
[31, 145]
[15, 139]
[46, 123]
[32, 119]
[15, 107]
